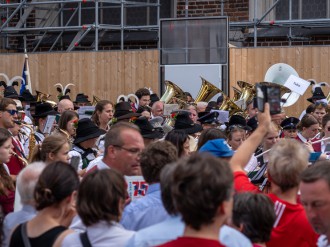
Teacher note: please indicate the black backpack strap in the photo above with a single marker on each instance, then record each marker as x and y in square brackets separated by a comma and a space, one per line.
[25, 238]
[84, 239]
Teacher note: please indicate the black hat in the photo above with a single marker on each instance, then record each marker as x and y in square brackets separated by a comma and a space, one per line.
[212, 105]
[187, 94]
[183, 122]
[147, 130]
[240, 121]
[81, 98]
[252, 123]
[210, 118]
[123, 110]
[220, 99]
[43, 110]
[154, 97]
[87, 130]
[317, 94]
[10, 92]
[27, 96]
[290, 123]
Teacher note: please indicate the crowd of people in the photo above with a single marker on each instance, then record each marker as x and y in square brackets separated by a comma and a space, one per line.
[129, 174]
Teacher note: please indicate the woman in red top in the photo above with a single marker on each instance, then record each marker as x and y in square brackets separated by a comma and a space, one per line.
[7, 188]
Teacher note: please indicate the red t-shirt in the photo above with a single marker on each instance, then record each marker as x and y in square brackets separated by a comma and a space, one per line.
[242, 183]
[291, 227]
[192, 242]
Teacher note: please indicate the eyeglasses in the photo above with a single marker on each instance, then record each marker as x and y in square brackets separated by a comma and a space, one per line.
[12, 112]
[134, 151]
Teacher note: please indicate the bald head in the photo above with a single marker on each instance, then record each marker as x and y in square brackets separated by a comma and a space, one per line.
[65, 105]
[157, 108]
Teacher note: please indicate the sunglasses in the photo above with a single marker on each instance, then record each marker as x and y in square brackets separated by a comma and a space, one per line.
[235, 127]
[321, 103]
[12, 112]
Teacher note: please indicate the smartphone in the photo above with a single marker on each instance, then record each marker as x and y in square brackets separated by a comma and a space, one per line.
[75, 162]
[260, 100]
[271, 94]
[274, 99]
[327, 148]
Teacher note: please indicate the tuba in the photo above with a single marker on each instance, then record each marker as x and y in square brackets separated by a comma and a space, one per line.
[229, 105]
[172, 91]
[207, 91]
[237, 94]
[248, 91]
[278, 74]
[43, 97]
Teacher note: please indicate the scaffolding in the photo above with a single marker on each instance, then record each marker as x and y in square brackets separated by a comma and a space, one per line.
[62, 26]
[290, 23]
[60, 18]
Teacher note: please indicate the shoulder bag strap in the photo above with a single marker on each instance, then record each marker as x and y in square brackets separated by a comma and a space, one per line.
[84, 239]
[24, 235]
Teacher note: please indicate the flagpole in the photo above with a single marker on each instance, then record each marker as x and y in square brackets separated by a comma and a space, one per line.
[27, 73]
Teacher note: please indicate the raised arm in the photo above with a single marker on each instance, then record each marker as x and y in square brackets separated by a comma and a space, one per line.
[247, 148]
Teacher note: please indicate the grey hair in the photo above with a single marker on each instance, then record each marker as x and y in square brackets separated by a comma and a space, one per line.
[27, 180]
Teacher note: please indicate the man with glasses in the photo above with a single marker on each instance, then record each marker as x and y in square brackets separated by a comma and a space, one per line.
[123, 145]
[149, 210]
[8, 113]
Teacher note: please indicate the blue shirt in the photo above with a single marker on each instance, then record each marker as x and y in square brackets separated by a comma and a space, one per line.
[13, 219]
[173, 228]
[146, 211]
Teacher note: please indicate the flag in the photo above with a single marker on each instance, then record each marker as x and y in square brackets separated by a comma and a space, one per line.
[23, 84]
[26, 83]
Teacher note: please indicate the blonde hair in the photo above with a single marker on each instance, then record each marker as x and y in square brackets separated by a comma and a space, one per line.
[288, 158]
